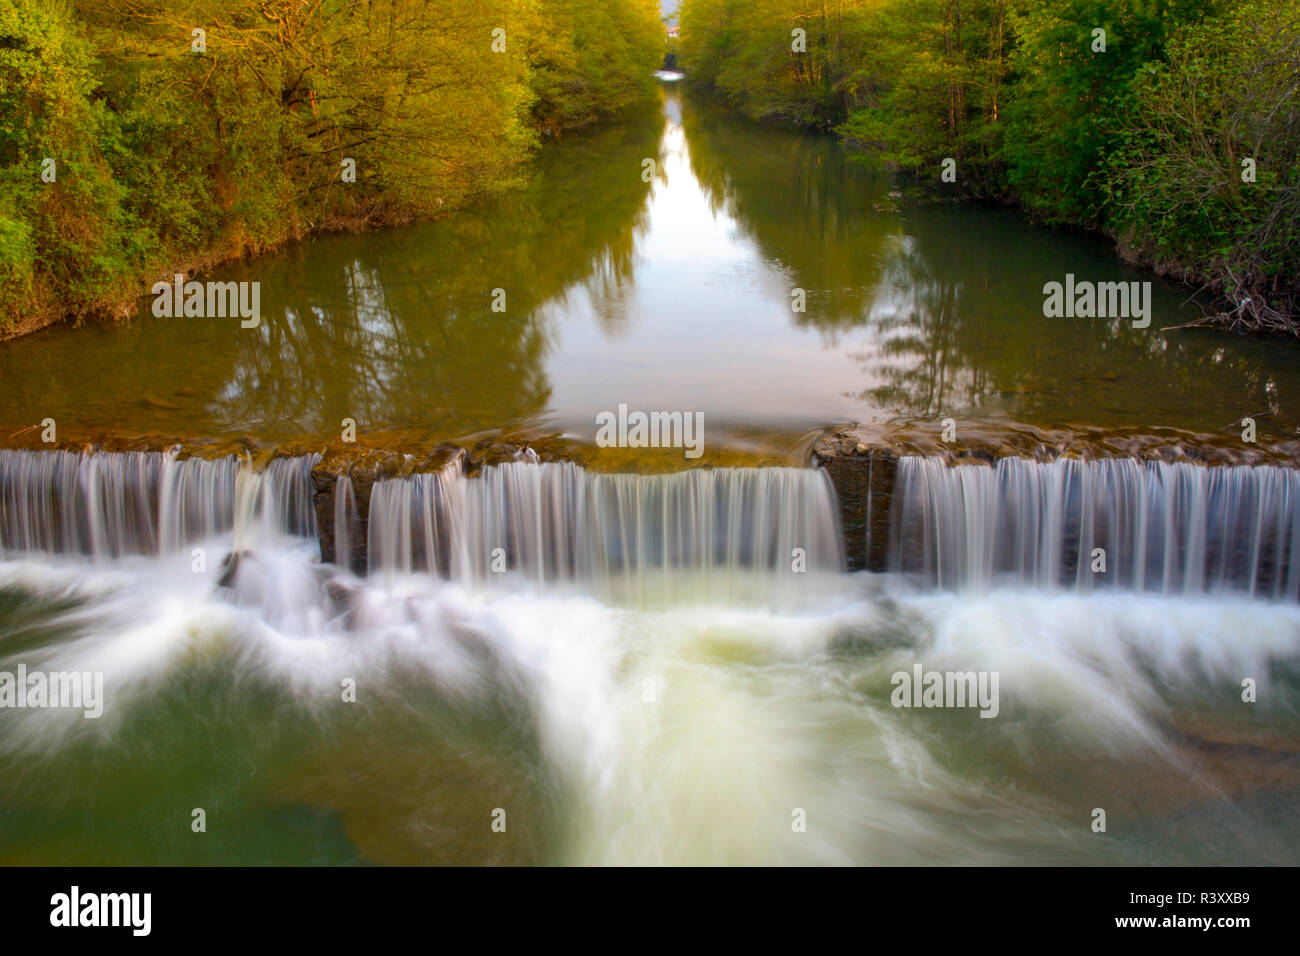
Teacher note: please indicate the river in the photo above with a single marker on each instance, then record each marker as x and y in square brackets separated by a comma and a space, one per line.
[668, 294]
[653, 676]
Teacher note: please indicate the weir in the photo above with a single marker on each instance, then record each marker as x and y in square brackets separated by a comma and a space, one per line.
[1118, 523]
[118, 503]
[1114, 523]
[556, 522]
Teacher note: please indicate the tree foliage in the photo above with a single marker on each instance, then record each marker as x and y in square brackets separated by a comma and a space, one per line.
[1208, 166]
[189, 131]
[1128, 116]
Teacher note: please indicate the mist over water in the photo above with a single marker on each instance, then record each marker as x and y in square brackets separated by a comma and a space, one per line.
[682, 698]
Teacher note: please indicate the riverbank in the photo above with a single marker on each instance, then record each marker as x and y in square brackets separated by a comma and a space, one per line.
[120, 304]
[672, 295]
[1077, 115]
[139, 141]
[47, 309]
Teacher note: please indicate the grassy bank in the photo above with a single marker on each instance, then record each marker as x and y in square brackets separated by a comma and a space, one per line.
[139, 138]
[1171, 125]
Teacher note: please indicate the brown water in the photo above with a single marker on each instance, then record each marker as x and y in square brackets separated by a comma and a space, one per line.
[673, 294]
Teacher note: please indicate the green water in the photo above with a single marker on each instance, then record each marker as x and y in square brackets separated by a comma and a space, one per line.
[671, 294]
[621, 735]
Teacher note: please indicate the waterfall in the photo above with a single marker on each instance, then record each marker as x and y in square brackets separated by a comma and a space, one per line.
[346, 517]
[274, 503]
[411, 521]
[1112, 523]
[556, 522]
[110, 504]
[1170, 528]
[195, 501]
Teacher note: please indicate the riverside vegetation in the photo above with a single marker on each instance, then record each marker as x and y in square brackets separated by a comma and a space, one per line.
[1176, 132]
[140, 138]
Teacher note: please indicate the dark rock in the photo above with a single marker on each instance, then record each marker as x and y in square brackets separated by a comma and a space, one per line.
[230, 568]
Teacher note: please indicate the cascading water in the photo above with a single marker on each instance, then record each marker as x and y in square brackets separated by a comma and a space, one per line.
[346, 518]
[411, 519]
[111, 504]
[1113, 523]
[276, 502]
[557, 523]
[638, 685]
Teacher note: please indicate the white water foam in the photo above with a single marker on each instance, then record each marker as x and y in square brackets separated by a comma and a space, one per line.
[693, 733]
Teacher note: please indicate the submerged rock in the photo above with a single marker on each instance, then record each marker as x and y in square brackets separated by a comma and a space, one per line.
[230, 568]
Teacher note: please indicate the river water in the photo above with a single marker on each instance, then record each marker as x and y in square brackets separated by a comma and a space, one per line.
[673, 294]
[654, 677]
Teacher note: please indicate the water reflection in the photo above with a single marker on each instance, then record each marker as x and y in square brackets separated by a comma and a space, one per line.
[394, 328]
[958, 329]
[818, 218]
[406, 324]
[941, 307]
[669, 290]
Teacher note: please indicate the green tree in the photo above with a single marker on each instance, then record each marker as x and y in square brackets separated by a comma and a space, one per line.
[190, 131]
[1205, 183]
